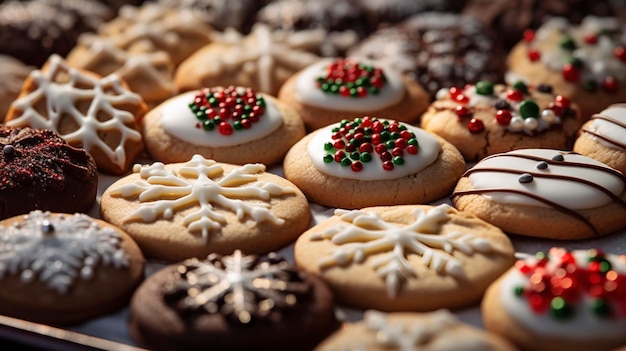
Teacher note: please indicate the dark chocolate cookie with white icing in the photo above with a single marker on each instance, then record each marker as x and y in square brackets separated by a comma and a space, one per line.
[438, 50]
[40, 171]
[233, 302]
[64, 269]
[33, 30]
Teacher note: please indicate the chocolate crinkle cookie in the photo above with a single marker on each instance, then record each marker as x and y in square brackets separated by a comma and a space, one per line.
[33, 30]
[438, 50]
[510, 18]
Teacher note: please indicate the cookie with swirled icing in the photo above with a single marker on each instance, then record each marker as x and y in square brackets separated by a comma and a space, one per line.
[335, 89]
[369, 161]
[604, 137]
[560, 300]
[64, 269]
[232, 302]
[228, 124]
[545, 193]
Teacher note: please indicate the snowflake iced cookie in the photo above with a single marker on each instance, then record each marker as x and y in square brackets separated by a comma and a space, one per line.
[585, 62]
[604, 137]
[228, 124]
[545, 193]
[40, 171]
[334, 89]
[369, 161]
[560, 300]
[485, 118]
[402, 331]
[262, 60]
[405, 258]
[97, 114]
[191, 209]
[233, 302]
[64, 269]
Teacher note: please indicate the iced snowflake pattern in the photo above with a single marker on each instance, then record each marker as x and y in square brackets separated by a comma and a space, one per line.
[195, 185]
[368, 234]
[243, 288]
[61, 98]
[58, 250]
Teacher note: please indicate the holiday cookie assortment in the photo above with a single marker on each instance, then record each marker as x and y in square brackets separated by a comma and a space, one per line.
[329, 174]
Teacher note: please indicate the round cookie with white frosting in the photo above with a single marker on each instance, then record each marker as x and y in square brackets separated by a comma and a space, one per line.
[335, 89]
[191, 209]
[484, 118]
[560, 300]
[545, 193]
[405, 258]
[370, 162]
[228, 124]
[439, 330]
[585, 62]
[604, 137]
[65, 269]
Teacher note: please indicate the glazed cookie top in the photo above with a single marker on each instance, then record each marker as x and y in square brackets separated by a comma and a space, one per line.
[246, 289]
[40, 158]
[56, 100]
[220, 117]
[163, 192]
[58, 250]
[592, 54]
[369, 148]
[349, 85]
[363, 233]
[568, 294]
[519, 108]
[609, 127]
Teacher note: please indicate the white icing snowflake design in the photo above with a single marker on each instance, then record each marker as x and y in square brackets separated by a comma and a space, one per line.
[239, 286]
[195, 185]
[59, 250]
[368, 234]
[61, 100]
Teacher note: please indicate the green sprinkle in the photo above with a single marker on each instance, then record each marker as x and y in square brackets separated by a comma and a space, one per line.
[412, 141]
[334, 89]
[518, 290]
[260, 102]
[601, 308]
[484, 87]
[540, 255]
[373, 90]
[345, 161]
[338, 81]
[355, 155]
[521, 86]
[395, 135]
[559, 309]
[390, 144]
[398, 160]
[213, 101]
[328, 146]
[529, 109]
[576, 62]
[328, 158]
[385, 135]
[237, 125]
[590, 85]
[568, 43]
[365, 157]
[208, 125]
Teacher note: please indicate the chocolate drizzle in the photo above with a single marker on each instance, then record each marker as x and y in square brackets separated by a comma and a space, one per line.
[245, 289]
[619, 143]
[541, 160]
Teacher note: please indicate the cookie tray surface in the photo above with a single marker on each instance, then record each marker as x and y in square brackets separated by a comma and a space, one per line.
[111, 332]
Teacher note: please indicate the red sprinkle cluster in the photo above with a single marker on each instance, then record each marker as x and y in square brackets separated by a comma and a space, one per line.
[571, 71]
[350, 78]
[560, 289]
[228, 110]
[354, 142]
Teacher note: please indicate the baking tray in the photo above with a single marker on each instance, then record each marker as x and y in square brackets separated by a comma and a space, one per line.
[111, 332]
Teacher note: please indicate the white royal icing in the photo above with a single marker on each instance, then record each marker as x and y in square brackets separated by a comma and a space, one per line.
[608, 129]
[429, 148]
[61, 100]
[178, 120]
[364, 233]
[308, 91]
[583, 325]
[163, 192]
[570, 194]
[59, 250]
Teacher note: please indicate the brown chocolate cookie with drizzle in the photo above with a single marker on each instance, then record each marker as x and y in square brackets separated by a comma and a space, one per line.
[40, 171]
[545, 193]
[234, 302]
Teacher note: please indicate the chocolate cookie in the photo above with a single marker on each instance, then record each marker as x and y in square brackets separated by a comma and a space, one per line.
[545, 193]
[33, 30]
[438, 50]
[390, 12]
[40, 171]
[219, 14]
[65, 269]
[234, 302]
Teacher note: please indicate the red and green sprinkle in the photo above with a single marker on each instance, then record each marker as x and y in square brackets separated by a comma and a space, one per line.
[227, 110]
[350, 78]
[354, 143]
[558, 290]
